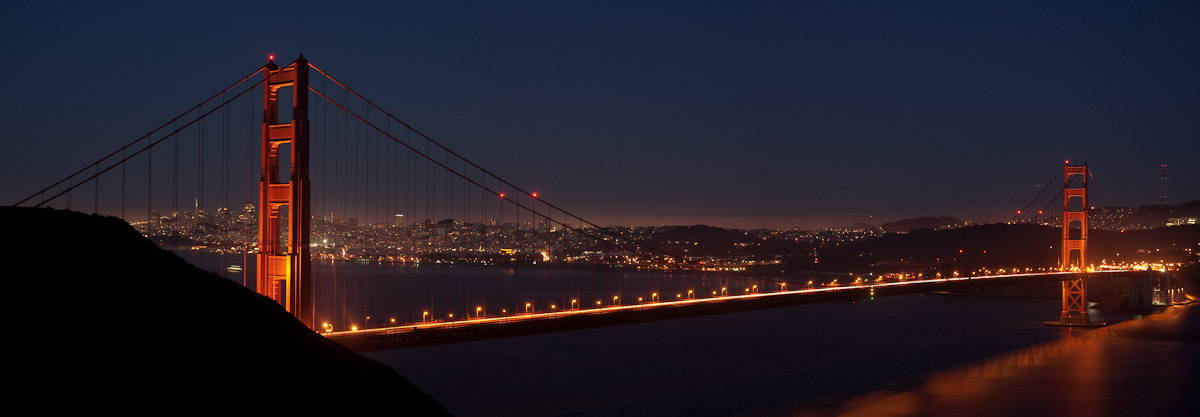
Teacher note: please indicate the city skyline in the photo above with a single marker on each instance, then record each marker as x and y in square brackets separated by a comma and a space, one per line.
[751, 116]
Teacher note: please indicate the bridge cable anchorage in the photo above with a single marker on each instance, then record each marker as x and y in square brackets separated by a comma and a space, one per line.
[143, 149]
[135, 141]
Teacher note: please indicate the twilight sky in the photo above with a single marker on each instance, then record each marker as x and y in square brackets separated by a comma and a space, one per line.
[772, 114]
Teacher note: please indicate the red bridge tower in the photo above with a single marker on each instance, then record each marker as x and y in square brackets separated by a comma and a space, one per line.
[1074, 247]
[283, 271]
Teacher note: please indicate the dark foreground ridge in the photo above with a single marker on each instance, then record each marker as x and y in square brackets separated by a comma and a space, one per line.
[100, 318]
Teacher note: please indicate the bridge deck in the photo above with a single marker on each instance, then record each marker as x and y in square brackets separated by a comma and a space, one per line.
[433, 333]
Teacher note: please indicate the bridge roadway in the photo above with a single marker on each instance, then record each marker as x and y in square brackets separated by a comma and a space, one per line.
[440, 332]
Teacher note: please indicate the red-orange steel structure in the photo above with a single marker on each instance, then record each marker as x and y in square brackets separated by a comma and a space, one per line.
[1074, 245]
[283, 271]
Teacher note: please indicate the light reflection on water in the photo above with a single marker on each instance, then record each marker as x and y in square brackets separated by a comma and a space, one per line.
[1145, 366]
[349, 292]
[768, 362]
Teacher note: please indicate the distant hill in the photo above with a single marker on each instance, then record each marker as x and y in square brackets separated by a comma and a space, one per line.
[1002, 244]
[99, 318]
[1158, 214]
[703, 240]
[908, 225]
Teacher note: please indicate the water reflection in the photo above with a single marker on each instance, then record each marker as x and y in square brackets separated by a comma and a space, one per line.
[347, 293]
[1144, 366]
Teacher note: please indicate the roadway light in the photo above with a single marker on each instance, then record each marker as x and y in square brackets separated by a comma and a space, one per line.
[424, 316]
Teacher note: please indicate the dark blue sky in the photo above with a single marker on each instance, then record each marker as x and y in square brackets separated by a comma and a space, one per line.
[767, 114]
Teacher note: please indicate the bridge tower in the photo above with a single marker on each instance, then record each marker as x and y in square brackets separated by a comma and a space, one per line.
[283, 271]
[1074, 246]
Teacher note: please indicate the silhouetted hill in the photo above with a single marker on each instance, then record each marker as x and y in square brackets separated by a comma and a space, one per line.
[98, 318]
[1006, 245]
[1156, 215]
[908, 225]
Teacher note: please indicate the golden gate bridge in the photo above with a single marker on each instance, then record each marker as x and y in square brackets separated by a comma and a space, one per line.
[340, 179]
